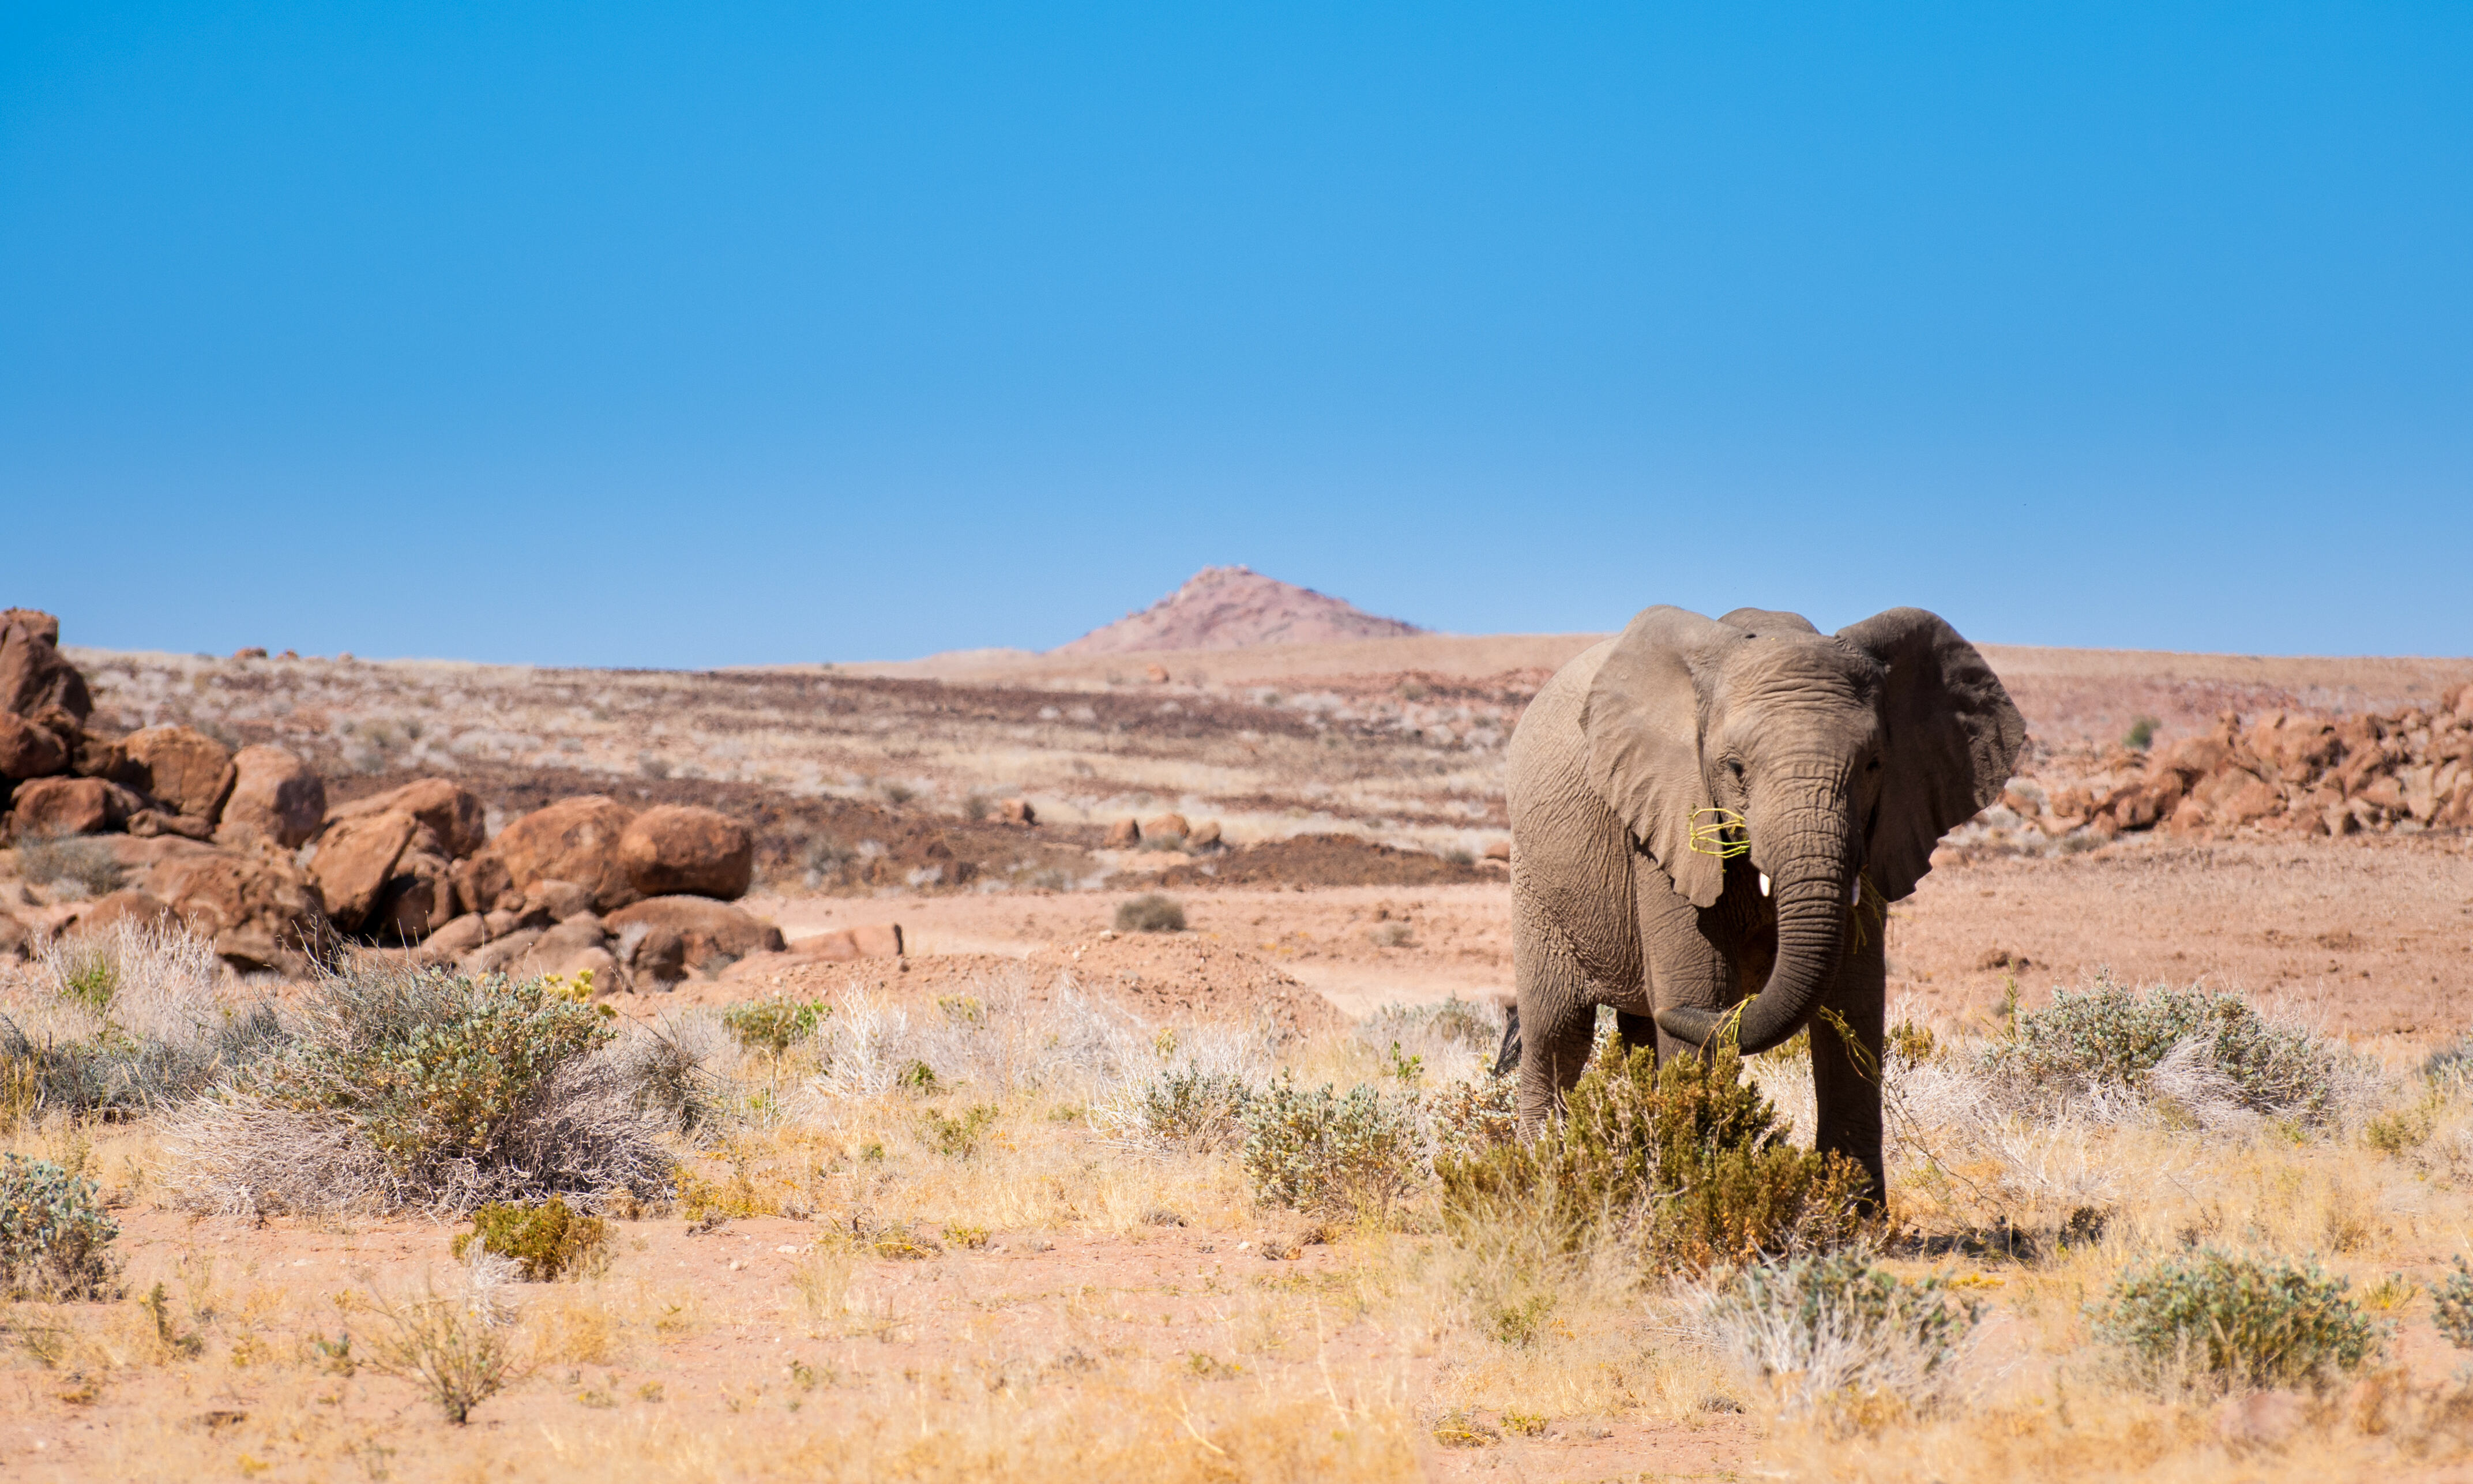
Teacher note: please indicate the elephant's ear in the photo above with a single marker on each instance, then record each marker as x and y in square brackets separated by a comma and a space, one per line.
[1951, 739]
[1643, 724]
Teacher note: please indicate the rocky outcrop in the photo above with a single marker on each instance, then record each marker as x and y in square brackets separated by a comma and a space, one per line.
[1160, 827]
[681, 849]
[2284, 771]
[572, 840]
[664, 938]
[274, 797]
[1123, 835]
[259, 908]
[33, 679]
[182, 770]
[452, 813]
[47, 808]
[355, 860]
[28, 751]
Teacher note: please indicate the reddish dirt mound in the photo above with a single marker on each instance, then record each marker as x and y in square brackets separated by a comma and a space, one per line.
[1318, 860]
[1158, 976]
[1234, 607]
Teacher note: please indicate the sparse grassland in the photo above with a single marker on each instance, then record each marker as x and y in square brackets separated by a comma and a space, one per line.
[990, 1236]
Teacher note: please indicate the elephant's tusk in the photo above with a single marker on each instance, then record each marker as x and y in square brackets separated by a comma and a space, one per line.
[1764, 883]
[1855, 893]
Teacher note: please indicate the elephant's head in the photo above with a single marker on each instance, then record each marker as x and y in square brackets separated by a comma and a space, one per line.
[1836, 759]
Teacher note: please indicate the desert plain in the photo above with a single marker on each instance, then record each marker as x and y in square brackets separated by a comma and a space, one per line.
[999, 1269]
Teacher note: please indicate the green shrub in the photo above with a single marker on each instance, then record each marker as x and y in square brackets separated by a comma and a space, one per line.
[776, 1024]
[2141, 734]
[2452, 1307]
[1150, 913]
[442, 1082]
[549, 1239]
[1193, 1109]
[55, 1239]
[1467, 1118]
[1687, 1159]
[2215, 1319]
[1318, 1152]
[2114, 1037]
[958, 1138]
[1833, 1331]
[396, 1087]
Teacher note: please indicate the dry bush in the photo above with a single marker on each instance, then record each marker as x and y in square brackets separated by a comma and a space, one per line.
[1150, 913]
[129, 1020]
[1684, 1161]
[82, 863]
[401, 1089]
[1358, 1156]
[1837, 1335]
[548, 1240]
[455, 1347]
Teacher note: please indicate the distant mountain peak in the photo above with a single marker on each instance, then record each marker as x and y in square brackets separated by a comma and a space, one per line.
[1236, 608]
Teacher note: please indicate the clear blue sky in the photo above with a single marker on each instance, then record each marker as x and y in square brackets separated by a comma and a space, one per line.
[708, 334]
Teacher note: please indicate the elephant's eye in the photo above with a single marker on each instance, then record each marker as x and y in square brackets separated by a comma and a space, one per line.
[1874, 766]
[1734, 766]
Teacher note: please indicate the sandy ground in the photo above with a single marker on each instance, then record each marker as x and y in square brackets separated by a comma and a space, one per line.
[2362, 936]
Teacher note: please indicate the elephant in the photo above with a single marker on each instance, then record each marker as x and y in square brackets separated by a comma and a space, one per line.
[1709, 819]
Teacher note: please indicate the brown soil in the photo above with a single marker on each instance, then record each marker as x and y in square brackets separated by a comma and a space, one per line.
[1301, 861]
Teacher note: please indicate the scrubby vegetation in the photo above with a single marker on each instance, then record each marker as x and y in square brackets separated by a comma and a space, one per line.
[1150, 913]
[547, 1239]
[2211, 1319]
[1686, 1163]
[1286, 1226]
[394, 1088]
[1836, 1333]
[55, 1239]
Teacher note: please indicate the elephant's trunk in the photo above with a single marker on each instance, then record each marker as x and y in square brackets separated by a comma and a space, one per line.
[1811, 885]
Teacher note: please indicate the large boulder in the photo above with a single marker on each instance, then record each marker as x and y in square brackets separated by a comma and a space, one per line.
[452, 813]
[260, 909]
[274, 797]
[356, 860]
[665, 937]
[572, 840]
[33, 678]
[186, 771]
[47, 808]
[419, 895]
[681, 849]
[28, 751]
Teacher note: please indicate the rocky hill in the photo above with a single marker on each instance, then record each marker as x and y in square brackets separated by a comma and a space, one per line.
[1234, 607]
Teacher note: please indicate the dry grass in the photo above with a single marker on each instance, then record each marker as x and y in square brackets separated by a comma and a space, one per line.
[980, 1275]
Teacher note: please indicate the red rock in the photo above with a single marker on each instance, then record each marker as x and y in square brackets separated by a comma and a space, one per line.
[46, 808]
[572, 840]
[34, 621]
[1164, 824]
[681, 850]
[128, 904]
[1498, 849]
[459, 936]
[481, 884]
[28, 751]
[453, 813]
[847, 945]
[1203, 836]
[558, 901]
[1123, 835]
[1017, 811]
[355, 860]
[2253, 800]
[156, 822]
[274, 797]
[1156, 674]
[418, 897]
[2188, 818]
[33, 678]
[665, 937]
[260, 908]
[17, 936]
[182, 767]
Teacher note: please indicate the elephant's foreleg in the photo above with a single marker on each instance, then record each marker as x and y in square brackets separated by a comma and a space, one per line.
[1557, 1011]
[1635, 1031]
[1846, 1078]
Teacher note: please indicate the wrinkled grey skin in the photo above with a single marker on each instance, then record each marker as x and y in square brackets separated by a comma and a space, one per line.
[1848, 757]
